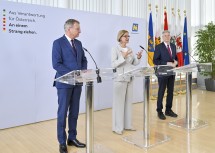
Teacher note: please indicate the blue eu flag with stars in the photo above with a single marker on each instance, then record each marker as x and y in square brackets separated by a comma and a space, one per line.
[185, 44]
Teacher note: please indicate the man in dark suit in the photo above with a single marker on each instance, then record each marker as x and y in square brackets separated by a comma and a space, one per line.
[68, 55]
[165, 54]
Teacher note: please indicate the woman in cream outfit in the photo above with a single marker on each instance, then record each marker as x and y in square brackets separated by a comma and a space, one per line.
[124, 60]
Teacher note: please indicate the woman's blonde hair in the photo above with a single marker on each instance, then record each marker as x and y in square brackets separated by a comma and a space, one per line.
[120, 34]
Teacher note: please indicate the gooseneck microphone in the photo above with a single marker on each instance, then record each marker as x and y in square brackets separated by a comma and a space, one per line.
[155, 68]
[191, 57]
[198, 67]
[99, 79]
[146, 52]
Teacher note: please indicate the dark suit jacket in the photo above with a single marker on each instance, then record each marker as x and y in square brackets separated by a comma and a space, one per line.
[161, 55]
[64, 59]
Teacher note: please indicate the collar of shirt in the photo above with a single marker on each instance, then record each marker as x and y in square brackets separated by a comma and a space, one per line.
[69, 39]
[169, 46]
[166, 44]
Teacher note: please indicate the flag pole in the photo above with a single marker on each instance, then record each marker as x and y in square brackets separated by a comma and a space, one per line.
[155, 43]
[150, 85]
[184, 91]
[154, 97]
[180, 85]
[173, 37]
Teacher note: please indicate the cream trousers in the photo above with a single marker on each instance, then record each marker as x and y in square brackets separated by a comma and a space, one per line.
[122, 106]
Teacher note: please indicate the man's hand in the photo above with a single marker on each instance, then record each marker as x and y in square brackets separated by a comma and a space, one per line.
[176, 63]
[172, 64]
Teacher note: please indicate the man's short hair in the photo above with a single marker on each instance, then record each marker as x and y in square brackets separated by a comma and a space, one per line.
[69, 23]
[165, 31]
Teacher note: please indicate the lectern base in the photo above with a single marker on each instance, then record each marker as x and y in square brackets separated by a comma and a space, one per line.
[98, 148]
[194, 124]
[139, 140]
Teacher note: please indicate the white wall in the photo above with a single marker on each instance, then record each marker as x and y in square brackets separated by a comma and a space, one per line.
[26, 93]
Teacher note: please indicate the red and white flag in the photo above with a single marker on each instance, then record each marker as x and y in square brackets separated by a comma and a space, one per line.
[173, 27]
[165, 20]
[179, 41]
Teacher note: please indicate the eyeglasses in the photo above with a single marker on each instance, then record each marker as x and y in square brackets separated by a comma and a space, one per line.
[126, 36]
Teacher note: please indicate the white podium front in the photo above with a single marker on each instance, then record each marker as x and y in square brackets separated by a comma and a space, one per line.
[89, 77]
[189, 122]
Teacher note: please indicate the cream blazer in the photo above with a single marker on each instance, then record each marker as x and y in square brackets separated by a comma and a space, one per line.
[121, 64]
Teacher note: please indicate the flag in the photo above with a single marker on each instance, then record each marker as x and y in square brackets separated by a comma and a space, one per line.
[158, 32]
[179, 51]
[185, 44]
[150, 41]
[179, 42]
[165, 21]
[173, 37]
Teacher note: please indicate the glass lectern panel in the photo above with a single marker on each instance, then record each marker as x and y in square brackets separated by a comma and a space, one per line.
[193, 67]
[165, 70]
[187, 68]
[82, 76]
[138, 72]
[159, 70]
[68, 78]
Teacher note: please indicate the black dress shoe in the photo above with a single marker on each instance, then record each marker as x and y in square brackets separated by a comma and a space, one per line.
[161, 116]
[63, 149]
[76, 143]
[170, 113]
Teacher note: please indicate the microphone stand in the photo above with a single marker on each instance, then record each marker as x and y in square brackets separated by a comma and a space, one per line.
[146, 52]
[198, 67]
[155, 68]
[99, 79]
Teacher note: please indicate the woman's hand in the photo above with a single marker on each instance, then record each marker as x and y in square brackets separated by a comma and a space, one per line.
[126, 54]
[139, 54]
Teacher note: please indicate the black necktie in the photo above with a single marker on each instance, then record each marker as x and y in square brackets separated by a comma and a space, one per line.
[73, 47]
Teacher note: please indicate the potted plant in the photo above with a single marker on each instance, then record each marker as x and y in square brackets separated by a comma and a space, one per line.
[205, 50]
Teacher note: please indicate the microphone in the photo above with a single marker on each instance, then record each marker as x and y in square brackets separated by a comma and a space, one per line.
[191, 57]
[198, 66]
[155, 68]
[159, 70]
[146, 52]
[99, 79]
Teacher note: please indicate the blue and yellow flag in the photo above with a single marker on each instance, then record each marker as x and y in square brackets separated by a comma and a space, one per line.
[150, 42]
[185, 44]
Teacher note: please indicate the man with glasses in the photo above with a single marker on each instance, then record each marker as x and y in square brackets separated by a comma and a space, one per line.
[68, 55]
